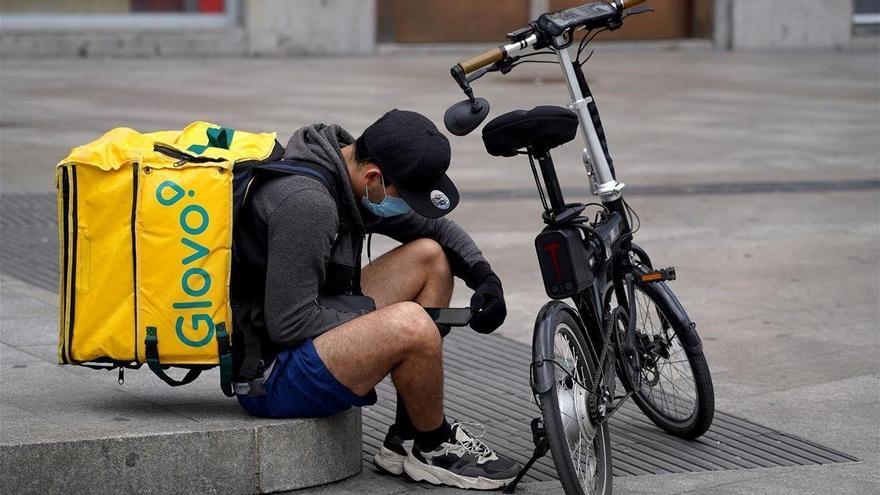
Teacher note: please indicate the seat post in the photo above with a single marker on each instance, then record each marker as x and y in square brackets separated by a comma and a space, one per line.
[551, 182]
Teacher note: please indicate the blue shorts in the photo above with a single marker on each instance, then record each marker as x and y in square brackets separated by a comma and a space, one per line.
[300, 386]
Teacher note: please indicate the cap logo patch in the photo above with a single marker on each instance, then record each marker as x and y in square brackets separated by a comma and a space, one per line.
[439, 199]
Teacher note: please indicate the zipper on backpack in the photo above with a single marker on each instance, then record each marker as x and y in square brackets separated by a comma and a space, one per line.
[64, 241]
[61, 208]
[182, 157]
[247, 189]
[134, 260]
[73, 232]
[171, 152]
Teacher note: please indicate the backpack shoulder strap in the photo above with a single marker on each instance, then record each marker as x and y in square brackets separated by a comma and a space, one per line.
[252, 354]
[287, 167]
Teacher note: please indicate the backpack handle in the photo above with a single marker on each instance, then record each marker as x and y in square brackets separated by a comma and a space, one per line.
[224, 352]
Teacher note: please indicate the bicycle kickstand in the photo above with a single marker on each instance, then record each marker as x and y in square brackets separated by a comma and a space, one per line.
[542, 445]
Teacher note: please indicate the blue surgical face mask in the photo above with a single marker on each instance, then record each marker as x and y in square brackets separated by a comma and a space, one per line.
[388, 207]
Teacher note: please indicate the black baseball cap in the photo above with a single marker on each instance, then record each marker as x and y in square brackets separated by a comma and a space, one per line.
[414, 156]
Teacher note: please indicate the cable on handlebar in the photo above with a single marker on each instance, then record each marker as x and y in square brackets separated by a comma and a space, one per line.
[586, 40]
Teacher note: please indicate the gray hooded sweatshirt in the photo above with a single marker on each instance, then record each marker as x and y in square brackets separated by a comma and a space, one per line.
[313, 246]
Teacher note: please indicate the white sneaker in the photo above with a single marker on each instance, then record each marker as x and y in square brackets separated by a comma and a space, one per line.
[392, 453]
[463, 462]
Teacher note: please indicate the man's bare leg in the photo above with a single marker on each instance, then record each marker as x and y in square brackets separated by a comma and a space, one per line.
[416, 271]
[400, 339]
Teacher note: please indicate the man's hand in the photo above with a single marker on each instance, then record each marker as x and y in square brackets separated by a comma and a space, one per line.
[487, 301]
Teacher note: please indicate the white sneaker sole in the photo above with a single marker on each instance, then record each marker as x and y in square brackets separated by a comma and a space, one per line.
[420, 471]
[389, 461]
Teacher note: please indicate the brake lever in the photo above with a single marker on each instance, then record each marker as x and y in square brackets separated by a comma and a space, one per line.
[617, 22]
[639, 9]
[506, 65]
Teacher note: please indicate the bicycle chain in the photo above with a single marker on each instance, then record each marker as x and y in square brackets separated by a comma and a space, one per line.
[595, 394]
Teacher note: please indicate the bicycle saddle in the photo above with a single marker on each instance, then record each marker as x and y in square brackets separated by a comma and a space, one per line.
[541, 128]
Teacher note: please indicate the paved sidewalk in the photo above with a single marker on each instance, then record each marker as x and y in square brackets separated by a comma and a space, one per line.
[754, 174]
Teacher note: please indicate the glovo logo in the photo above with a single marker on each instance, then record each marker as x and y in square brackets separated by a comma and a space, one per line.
[195, 281]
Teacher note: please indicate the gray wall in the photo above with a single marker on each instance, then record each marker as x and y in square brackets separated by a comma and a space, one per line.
[788, 24]
[282, 27]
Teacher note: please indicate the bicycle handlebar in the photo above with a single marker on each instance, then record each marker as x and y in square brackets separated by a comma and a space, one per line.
[499, 53]
[482, 60]
[628, 4]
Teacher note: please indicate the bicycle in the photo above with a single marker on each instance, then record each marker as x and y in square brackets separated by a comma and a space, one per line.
[625, 321]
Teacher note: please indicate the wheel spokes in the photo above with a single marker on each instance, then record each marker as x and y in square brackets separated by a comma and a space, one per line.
[674, 394]
[573, 404]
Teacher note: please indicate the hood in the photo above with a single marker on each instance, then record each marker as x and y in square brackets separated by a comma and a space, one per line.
[321, 144]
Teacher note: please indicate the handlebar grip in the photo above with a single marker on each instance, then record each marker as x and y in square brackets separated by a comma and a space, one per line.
[631, 3]
[482, 60]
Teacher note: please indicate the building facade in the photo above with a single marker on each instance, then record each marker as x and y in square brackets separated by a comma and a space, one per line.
[30, 28]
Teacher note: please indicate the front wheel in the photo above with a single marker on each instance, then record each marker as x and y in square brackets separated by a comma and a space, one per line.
[674, 387]
[581, 449]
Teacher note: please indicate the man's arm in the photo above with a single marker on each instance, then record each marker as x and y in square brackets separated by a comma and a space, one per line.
[465, 259]
[461, 251]
[301, 231]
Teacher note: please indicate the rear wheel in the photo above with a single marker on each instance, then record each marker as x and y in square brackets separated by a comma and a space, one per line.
[581, 450]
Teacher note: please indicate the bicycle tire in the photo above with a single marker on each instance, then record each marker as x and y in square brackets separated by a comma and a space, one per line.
[654, 405]
[554, 423]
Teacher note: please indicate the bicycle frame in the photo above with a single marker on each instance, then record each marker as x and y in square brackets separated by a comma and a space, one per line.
[603, 182]
[590, 303]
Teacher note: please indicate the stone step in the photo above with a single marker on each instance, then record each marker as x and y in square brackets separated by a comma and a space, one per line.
[67, 429]
[263, 457]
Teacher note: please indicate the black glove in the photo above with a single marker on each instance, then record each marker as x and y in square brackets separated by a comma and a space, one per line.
[488, 299]
[443, 329]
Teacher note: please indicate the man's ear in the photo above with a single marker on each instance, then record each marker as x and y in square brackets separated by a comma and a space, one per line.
[372, 174]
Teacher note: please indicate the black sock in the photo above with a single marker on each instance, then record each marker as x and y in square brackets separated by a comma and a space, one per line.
[403, 426]
[429, 440]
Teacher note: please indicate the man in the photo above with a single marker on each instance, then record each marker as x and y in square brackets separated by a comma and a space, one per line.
[325, 347]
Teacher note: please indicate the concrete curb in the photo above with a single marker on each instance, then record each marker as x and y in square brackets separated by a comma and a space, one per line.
[263, 458]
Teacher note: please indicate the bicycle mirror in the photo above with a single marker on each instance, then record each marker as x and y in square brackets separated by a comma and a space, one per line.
[466, 115]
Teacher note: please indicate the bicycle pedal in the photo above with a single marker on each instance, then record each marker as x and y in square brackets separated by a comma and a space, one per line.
[660, 275]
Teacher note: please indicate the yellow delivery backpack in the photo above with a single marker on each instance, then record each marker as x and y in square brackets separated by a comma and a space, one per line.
[145, 235]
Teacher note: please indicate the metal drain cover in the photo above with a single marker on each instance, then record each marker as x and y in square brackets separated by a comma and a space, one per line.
[29, 238]
[487, 383]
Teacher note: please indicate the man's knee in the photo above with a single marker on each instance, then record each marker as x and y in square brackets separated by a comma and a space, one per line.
[416, 329]
[432, 254]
